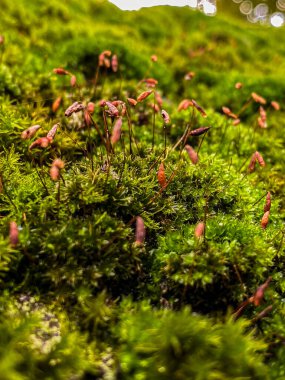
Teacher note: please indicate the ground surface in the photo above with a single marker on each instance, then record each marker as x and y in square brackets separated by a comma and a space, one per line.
[135, 257]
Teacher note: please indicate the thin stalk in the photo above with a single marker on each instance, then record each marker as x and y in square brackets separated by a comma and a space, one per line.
[155, 162]
[163, 188]
[237, 313]
[206, 209]
[230, 164]
[244, 107]
[107, 133]
[239, 170]
[91, 147]
[146, 74]
[153, 121]
[58, 198]
[164, 130]
[62, 178]
[281, 241]
[200, 145]
[262, 314]
[131, 129]
[224, 132]
[98, 130]
[255, 203]
[121, 82]
[103, 81]
[2, 53]
[108, 170]
[243, 177]
[182, 139]
[96, 81]
[185, 135]
[75, 142]
[130, 133]
[10, 199]
[124, 162]
[238, 140]
[44, 185]
[239, 278]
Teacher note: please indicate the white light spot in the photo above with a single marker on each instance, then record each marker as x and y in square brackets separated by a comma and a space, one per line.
[246, 7]
[193, 3]
[281, 5]
[277, 19]
[260, 11]
[209, 8]
[251, 18]
[130, 5]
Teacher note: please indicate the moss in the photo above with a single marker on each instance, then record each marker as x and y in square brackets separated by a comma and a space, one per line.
[80, 297]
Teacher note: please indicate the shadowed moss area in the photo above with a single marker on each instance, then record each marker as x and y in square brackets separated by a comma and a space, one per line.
[140, 237]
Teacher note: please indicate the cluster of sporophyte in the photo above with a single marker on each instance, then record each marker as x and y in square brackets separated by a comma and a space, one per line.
[141, 231]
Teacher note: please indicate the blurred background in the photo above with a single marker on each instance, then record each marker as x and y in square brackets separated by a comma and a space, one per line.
[268, 12]
[235, 41]
[102, 307]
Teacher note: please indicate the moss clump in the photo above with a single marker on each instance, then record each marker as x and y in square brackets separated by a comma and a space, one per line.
[87, 291]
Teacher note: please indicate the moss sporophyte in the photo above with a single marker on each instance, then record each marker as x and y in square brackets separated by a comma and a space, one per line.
[141, 194]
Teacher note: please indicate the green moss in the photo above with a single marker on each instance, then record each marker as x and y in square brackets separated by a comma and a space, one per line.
[120, 309]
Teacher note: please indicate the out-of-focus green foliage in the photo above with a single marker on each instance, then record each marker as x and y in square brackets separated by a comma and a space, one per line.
[182, 345]
[81, 296]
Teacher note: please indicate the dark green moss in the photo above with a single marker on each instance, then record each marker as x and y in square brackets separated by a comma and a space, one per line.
[80, 299]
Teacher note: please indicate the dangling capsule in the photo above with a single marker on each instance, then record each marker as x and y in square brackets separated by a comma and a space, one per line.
[112, 110]
[260, 159]
[161, 175]
[75, 107]
[132, 101]
[158, 99]
[140, 230]
[91, 107]
[54, 173]
[52, 132]
[87, 118]
[267, 202]
[56, 166]
[42, 142]
[199, 230]
[143, 95]
[151, 82]
[116, 134]
[265, 220]
[199, 131]
[14, 234]
[192, 154]
[56, 104]
[73, 81]
[114, 63]
[199, 108]
[275, 105]
[30, 132]
[184, 104]
[252, 163]
[257, 98]
[165, 117]
[238, 85]
[60, 71]
[259, 294]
